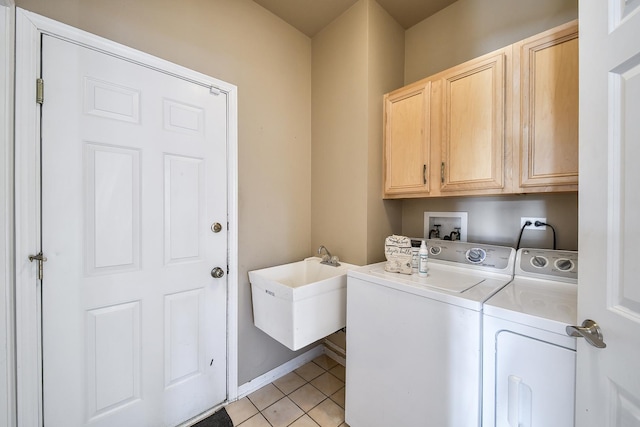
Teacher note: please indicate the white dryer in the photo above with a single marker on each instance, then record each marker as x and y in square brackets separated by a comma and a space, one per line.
[528, 359]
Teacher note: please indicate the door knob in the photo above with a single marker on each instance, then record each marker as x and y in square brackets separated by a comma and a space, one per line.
[589, 331]
[217, 273]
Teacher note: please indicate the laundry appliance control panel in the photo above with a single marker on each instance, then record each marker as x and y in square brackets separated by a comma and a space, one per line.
[547, 264]
[472, 254]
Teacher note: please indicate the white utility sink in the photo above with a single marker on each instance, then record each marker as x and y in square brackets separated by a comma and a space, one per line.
[300, 302]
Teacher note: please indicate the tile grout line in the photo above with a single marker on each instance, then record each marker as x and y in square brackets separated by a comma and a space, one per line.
[286, 395]
[315, 406]
[292, 401]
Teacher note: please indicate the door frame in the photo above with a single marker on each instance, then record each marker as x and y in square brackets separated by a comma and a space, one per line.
[7, 335]
[29, 30]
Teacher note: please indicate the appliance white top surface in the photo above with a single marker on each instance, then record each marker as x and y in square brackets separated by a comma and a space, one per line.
[544, 304]
[454, 285]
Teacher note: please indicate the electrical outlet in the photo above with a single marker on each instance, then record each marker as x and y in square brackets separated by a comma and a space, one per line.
[533, 221]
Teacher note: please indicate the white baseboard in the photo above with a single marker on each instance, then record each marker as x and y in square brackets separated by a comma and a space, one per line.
[335, 356]
[280, 371]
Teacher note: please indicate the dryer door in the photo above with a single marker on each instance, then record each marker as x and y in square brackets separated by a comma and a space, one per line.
[534, 382]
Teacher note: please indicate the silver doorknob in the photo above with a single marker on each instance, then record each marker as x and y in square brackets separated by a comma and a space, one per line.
[589, 331]
[217, 273]
[216, 227]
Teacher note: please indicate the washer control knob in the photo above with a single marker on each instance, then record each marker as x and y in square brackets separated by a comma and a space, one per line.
[564, 264]
[435, 250]
[476, 255]
[539, 261]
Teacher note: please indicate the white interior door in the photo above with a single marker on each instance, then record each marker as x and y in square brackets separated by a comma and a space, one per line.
[133, 177]
[608, 379]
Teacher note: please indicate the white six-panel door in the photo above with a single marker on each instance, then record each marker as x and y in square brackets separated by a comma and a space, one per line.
[608, 379]
[133, 177]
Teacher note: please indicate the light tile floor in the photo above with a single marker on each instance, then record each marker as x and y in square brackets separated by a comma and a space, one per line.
[310, 396]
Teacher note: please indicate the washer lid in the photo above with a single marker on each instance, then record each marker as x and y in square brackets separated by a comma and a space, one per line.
[452, 281]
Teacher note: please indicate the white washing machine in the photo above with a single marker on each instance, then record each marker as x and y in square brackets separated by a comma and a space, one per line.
[529, 361]
[414, 343]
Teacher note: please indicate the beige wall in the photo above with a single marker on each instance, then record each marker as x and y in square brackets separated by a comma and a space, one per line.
[338, 157]
[462, 31]
[386, 66]
[356, 59]
[270, 62]
[470, 28]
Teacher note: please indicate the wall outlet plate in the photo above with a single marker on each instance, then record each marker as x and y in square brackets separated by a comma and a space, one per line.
[533, 221]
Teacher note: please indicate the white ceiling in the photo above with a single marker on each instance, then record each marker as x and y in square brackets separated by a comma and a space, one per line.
[311, 16]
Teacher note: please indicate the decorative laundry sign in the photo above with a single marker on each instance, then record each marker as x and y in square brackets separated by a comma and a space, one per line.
[397, 250]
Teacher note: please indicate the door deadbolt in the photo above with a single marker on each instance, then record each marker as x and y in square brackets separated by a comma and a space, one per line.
[216, 227]
[217, 273]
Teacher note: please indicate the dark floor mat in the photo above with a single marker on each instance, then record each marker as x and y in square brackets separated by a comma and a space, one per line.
[219, 419]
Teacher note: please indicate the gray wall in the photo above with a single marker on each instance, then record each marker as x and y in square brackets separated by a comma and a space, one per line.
[463, 31]
[496, 220]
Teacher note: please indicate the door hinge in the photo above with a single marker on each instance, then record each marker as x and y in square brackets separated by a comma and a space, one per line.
[40, 91]
[41, 260]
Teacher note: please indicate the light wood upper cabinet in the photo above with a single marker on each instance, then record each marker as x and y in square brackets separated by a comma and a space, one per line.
[471, 101]
[506, 122]
[406, 141]
[548, 91]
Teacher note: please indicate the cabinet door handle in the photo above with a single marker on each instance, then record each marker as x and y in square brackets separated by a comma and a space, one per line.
[442, 172]
[424, 174]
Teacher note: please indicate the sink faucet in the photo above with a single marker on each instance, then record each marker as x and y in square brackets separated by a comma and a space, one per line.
[327, 258]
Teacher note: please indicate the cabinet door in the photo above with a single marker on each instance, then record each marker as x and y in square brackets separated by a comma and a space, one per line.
[549, 110]
[406, 141]
[472, 125]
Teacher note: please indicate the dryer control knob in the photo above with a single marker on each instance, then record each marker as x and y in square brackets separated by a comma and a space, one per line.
[564, 264]
[539, 261]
